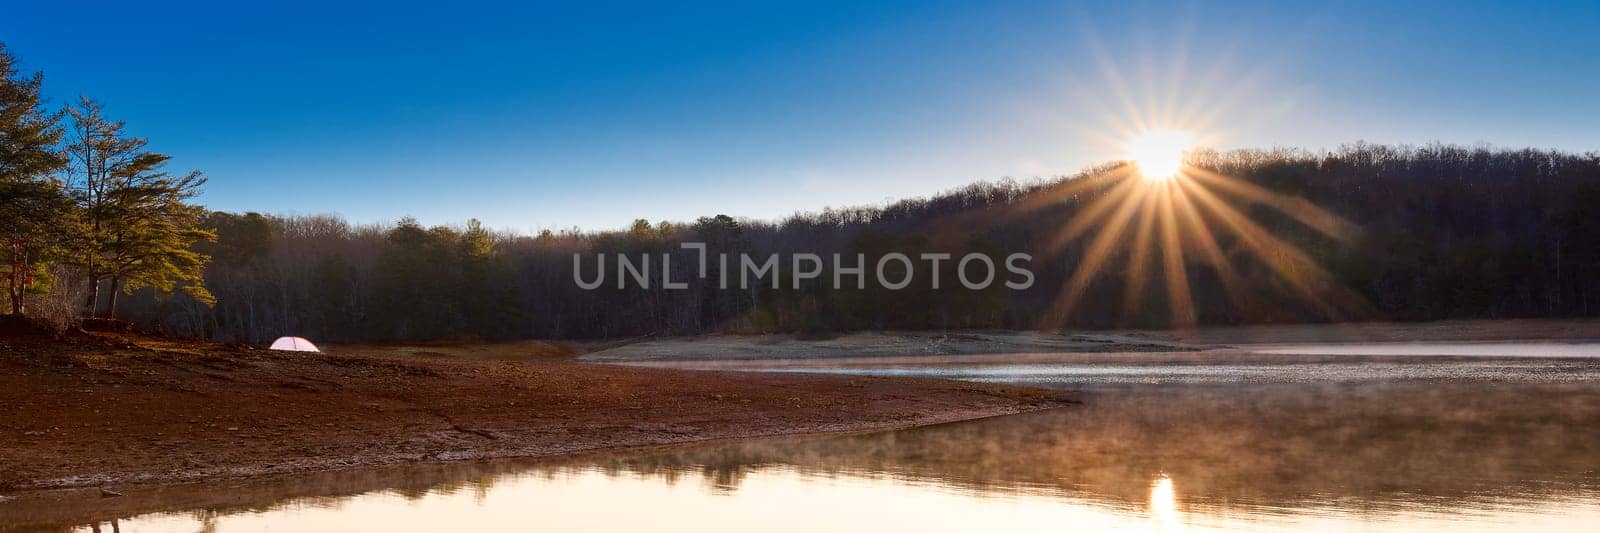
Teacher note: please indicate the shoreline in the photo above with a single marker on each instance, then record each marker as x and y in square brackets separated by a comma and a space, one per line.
[334, 465]
[66, 506]
[113, 410]
[126, 411]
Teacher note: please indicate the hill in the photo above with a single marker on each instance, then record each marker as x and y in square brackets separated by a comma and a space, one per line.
[1365, 232]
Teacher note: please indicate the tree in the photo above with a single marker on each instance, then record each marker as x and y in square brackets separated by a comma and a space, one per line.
[139, 226]
[486, 287]
[32, 215]
[723, 239]
[34, 208]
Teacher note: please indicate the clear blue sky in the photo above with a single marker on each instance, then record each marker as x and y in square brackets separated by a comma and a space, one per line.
[548, 115]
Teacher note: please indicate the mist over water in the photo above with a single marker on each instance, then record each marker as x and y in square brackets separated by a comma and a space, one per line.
[1351, 363]
[1507, 446]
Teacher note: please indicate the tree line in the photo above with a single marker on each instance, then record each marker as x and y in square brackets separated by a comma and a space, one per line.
[1444, 232]
[1439, 231]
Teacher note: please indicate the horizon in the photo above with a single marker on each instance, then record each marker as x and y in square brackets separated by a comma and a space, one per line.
[703, 108]
[1087, 171]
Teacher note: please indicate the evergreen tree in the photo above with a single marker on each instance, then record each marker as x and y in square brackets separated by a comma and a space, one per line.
[34, 208]
[487, 289]
[139, 227]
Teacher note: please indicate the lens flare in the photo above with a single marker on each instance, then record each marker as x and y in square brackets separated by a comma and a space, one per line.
[1167, 212]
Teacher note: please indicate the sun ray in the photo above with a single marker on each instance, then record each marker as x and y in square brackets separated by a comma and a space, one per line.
[1201, 92]
[1096, 210]
[1163, 203]
[1295, 207]
[1170, 216]
[1101, 248]
[1288, 262]
[1176, 71]
[1179, 301]
[1066, 190]
[1118, 86]
[1200, 236]
[1141, 254]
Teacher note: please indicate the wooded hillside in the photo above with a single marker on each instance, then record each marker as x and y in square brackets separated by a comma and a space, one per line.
[1440, 232]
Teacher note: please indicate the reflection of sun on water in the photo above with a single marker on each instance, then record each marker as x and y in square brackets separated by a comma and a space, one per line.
[1164, 505]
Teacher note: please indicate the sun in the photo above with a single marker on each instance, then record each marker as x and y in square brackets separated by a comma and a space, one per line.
[1158, 153]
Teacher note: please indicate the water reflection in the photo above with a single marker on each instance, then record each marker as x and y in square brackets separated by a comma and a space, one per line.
[1164, 505]
[1377, 456]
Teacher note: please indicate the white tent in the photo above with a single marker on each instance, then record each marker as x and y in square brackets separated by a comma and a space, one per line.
[294, 344]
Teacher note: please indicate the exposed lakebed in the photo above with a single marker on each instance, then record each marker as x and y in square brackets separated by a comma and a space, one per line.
[1371, 440]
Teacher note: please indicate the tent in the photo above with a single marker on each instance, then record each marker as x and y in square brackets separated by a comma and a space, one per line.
[293, 344]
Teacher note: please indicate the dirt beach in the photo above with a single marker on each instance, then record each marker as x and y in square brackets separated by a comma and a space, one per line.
[92, 410]
[112, 409]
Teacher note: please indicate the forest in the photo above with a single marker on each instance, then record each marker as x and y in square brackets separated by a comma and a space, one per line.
[95, 226]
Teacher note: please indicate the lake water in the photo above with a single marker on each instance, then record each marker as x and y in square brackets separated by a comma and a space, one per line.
[1248, 365]
[1511, 446]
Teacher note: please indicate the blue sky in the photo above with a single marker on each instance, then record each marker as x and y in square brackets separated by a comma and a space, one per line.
[542, 115]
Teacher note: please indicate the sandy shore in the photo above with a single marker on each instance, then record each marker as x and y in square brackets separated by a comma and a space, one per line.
[113, 410]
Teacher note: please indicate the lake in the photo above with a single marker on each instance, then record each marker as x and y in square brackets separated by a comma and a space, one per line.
[1315, 439]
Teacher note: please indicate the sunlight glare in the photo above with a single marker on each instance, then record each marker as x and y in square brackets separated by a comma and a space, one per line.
[1164, 505]
[1159, 153]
